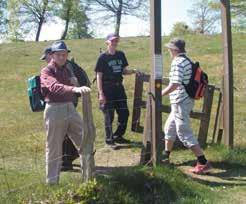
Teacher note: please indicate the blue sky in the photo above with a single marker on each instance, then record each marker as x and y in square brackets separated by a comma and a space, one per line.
[172, 12]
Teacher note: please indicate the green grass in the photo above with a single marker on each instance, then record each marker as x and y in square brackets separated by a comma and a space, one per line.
[22, 138]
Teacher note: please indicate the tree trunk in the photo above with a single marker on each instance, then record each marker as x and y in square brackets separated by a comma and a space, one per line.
[39, 28]
[118, 18]
[64, 34]
[41, 20]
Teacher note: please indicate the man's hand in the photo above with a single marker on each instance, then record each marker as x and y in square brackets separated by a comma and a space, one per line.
[81, 90]
[102, 98]
[137, 72]
[128, 71]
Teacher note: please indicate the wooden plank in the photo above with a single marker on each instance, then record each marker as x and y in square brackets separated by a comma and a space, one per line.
[217, 117]
[167, 109]
[228, 74]
[146, 149]
[138, 93]
[146, 78]
[207, 108]
[221, 120]
[221, 126]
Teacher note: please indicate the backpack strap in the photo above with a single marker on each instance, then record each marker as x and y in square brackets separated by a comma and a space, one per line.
[185, 56]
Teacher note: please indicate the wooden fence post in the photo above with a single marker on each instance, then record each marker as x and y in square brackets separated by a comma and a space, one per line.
[228, 113]
[207, 107]
[146, 150]
[137, 103]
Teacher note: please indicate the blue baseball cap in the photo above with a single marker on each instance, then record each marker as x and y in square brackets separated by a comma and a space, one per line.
[112, 36]
[59, 46]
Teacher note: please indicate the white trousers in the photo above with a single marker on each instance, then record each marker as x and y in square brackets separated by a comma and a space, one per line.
[178, 123]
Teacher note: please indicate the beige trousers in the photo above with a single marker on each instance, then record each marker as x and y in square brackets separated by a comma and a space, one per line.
[60, 119]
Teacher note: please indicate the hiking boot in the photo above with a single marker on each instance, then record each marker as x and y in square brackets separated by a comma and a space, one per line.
[67, 166]
[201, 169]
[165, 158]
[120, 140]
[111, 145]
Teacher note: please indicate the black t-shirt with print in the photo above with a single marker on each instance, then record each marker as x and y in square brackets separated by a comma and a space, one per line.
[111, 66]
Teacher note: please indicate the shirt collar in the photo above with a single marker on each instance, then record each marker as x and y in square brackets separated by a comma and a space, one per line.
[182, 53]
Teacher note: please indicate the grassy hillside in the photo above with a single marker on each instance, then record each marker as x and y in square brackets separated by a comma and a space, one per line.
[22, 136]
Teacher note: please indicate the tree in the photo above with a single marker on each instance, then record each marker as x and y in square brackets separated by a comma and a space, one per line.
[180, 28]
[35, 11]
[3, 16]
[31, 14]
[15, 30]
[65, 13]
[73, 13]
[238, 13]
[117, 8]
[79, 27]
[204, 17]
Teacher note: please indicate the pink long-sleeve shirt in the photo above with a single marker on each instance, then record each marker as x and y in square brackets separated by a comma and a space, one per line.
[56, 84]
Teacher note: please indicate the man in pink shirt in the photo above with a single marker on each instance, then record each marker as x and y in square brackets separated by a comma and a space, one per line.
[60, 115]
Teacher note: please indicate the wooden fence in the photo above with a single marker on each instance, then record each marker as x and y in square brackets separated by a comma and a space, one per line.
[204, 115]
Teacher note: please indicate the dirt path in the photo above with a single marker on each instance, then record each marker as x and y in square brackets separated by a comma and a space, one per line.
[122, 157]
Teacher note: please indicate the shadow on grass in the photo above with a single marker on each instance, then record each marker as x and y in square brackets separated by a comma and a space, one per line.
[131, 185]
[229, 172]
[129, 145]
[143, 185]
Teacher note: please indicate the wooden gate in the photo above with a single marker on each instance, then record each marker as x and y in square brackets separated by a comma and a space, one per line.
[203, 115]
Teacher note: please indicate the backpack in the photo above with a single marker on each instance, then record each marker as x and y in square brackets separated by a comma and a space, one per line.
[36, 99]
[80, 73]
[81, 76]
[198, 81]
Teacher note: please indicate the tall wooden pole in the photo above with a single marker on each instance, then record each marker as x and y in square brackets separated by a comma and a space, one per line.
[156, 79]
[228, 74]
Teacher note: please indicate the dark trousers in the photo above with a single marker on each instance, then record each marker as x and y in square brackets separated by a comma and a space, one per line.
[70, 152]
[116, 100]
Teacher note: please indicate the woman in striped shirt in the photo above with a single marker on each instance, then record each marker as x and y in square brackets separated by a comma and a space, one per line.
[178, 122]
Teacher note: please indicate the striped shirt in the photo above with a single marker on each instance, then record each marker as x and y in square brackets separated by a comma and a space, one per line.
[181, 70]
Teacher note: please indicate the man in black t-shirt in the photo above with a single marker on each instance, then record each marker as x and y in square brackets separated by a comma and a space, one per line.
[110, 68]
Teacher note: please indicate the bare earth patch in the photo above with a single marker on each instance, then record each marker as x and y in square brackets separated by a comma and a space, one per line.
[107, 159]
